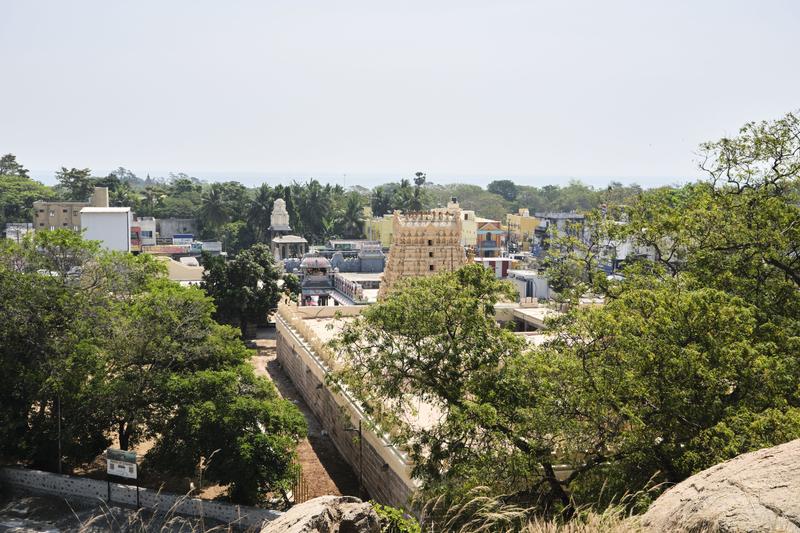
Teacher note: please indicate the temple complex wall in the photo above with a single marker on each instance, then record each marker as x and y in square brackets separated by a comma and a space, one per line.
[385, 470]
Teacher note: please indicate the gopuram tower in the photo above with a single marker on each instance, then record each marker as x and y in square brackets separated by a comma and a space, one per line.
[423, 244]
[279, 219]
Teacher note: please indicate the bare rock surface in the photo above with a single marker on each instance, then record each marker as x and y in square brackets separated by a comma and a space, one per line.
[327, 514]
[756, 491]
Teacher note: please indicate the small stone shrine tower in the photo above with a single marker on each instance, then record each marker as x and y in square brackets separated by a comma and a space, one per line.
[279, 219]
[423, 244]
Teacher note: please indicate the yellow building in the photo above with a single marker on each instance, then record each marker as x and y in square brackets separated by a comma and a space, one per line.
[379, 229]
[54, 215]
[521, 228]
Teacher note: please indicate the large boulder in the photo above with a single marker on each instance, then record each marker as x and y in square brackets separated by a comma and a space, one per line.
[756, 491]
[327, 514]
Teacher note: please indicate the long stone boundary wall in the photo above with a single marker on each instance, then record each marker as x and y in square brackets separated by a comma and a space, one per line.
[65, 485]
[384, 469]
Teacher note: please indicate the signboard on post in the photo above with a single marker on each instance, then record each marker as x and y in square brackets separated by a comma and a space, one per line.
[121, 463]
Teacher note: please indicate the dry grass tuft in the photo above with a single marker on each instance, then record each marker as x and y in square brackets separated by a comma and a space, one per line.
[481, 512]
[147, 520]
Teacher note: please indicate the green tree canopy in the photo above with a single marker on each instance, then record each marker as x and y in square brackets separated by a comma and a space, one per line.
[505, 188]
[17, 194]
[237, 423]
[77, 183]
[244, 289]
[381, 201]
[350, 224]
[96, 344]
[10, 167]
[646, 387]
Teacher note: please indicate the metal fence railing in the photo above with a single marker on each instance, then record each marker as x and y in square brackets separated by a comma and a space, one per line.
[300, 491]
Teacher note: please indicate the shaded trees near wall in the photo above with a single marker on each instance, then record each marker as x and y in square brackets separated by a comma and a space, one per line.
[691, 361]
[95, 343]
[18, 192]
[244, 289]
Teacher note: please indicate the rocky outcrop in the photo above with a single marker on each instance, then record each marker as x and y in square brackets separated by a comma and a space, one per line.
[757, 491]
[327, 514]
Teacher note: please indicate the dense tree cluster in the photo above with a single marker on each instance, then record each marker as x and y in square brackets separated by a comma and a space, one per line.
[247, 288]
[240, 216]
[692, 359]
[96, 346]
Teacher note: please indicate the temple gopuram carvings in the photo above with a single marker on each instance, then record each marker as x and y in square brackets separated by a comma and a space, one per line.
[423, 244]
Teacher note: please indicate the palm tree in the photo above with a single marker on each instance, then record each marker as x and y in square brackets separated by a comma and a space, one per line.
[212, 211]
[381, 201]
[316, 205]
[404, 196]
[416, 201]
[328, 228]
[258, 218]
[352, 217]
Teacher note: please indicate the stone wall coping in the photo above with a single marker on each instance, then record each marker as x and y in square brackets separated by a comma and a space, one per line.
[96, 489]
[356, 412]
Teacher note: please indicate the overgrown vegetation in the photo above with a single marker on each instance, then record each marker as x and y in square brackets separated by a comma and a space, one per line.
[95, 345]
[691, 361]
[394, 520]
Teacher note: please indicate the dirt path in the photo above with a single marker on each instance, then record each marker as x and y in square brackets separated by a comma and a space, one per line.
[324, 469]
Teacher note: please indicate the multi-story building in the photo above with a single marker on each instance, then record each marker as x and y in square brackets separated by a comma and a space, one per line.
[54, 215]
[109, 225]
[379, 229]
[147, 230]
[498, 265]
[561, 224]
[522, 229]
[554, 225]
[169, 227]
[491, 238]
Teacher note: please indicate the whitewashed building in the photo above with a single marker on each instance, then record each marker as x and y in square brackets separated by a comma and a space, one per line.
[109, 225]
[147, 230]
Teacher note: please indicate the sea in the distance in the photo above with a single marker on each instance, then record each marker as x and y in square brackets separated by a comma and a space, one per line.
[253, 179]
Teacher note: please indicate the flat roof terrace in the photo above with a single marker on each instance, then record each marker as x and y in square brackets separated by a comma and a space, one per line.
[530, 316]
[362, 276]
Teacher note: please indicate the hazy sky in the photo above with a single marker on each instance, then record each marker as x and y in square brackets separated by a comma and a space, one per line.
[471, 89]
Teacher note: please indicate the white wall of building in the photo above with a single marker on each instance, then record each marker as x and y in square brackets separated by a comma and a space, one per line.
[529, 284]
[147, 233]
[111, 226]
